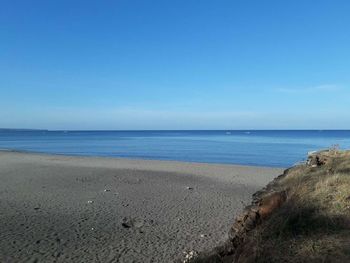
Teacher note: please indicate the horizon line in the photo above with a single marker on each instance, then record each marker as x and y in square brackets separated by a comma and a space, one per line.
[136, 130]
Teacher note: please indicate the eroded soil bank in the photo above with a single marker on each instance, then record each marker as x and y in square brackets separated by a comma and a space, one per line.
[303, 215]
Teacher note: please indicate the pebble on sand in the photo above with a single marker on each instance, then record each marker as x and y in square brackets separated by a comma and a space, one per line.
[126, 225]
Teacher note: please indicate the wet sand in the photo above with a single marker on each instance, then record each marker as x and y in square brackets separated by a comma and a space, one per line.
[86, 209]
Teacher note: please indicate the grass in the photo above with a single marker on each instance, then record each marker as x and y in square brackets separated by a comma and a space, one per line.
[313, 225]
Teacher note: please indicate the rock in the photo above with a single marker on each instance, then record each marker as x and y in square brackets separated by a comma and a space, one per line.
[126, 225]
[316, 159]
[106, 190]
[189, 188]
[133, 222]
[251, 221]
[90, 202]
[127, 222]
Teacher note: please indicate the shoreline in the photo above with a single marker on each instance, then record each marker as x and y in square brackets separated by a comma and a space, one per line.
[63, 208]
[5, 150]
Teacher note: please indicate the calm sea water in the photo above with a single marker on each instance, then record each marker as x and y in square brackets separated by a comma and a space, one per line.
[261, 148]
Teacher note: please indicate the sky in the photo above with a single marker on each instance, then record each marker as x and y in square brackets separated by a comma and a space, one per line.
[184, 64]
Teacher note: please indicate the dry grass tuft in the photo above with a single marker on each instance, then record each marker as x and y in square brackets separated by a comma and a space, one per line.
[313, 225]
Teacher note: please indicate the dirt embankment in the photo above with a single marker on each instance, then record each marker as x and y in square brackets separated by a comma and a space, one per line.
[301, 216]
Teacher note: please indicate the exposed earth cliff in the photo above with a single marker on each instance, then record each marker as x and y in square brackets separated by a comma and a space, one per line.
[301, 216]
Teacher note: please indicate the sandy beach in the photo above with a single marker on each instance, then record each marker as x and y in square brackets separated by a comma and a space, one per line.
[82, 209]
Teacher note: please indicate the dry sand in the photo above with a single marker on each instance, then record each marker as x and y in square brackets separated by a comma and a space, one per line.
[81, 209]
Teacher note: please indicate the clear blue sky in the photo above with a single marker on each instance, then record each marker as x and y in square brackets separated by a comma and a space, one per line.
[187, 64]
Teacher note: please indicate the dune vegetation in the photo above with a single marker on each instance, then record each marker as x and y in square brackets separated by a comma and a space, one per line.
[311, 225]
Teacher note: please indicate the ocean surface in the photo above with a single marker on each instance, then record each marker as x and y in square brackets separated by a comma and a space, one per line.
[260, 148]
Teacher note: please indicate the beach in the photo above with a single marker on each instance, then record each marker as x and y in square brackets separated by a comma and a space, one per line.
[57, 208]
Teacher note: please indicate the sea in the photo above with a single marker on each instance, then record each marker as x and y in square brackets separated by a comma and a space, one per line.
[271, 148]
